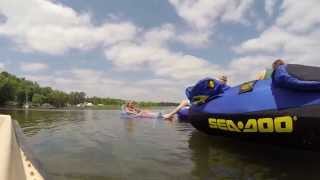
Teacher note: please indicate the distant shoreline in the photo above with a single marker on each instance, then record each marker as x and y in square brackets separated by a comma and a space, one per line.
[106, 107]
[18, 92]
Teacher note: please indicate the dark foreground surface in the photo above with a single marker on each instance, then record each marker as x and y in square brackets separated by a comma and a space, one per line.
[100, 145]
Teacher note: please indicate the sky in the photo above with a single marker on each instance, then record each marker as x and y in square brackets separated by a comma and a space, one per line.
[152, 49]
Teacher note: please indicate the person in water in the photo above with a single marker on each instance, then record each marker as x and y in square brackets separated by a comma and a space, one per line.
[131, 107]
[186, 102]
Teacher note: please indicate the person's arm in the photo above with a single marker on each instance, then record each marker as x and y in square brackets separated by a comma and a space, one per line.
[183, 103]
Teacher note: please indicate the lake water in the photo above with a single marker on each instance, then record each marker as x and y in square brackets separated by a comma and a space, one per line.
[96, 145]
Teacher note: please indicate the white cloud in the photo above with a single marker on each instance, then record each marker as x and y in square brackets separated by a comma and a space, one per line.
[164, 34]
[42, 79]
[246, 68]
[270, 6]
[98, 83]
[278, 41]
[159, 36]
[1, 67]
[271, 40]
[236, 11]
[294, 37]
[300, 16]
[151, 52]
[161, 61]
[141, 55]
[46, 26]
[33, 67]
[49, 27]
[204, 14]
[202, 17]
[196, 39]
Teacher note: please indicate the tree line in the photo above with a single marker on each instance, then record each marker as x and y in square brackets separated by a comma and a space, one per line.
[17, 91]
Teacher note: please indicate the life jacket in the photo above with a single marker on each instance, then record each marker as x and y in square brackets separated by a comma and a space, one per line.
[204, 90]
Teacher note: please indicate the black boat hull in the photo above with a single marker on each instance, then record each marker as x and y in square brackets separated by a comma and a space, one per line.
[290, 126]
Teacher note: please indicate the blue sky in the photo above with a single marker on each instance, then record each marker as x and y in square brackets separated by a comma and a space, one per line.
[152, 49]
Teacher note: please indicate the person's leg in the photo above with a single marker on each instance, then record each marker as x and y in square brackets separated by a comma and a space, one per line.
[182, 104]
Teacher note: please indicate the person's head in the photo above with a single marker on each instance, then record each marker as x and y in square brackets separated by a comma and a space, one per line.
[277, 63]
[130, 104]
[223, 79]
[134, 104]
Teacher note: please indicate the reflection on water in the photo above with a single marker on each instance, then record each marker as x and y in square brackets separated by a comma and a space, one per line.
[100, 145]
[222, 158]
[34, 121]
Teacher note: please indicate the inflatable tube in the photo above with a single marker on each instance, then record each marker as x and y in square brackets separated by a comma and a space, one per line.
[262, 110]
[296, 77]
[144, 115]
[204, 90]
[183, 114]
[15, 164]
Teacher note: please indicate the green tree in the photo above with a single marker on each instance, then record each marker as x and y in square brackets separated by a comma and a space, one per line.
[16, 89]
[7, 92]
[58, 98]
[77, 98]
[38, 99]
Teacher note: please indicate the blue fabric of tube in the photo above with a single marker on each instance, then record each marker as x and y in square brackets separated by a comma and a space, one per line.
[283, 79]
